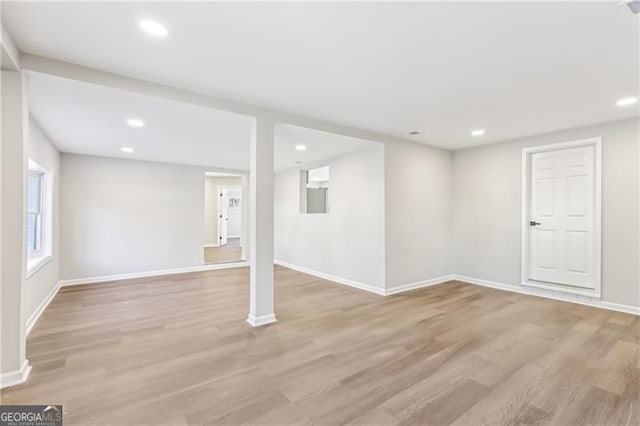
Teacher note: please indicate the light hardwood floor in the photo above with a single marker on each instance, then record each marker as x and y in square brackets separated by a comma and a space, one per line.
[177, 350]
[230, 252]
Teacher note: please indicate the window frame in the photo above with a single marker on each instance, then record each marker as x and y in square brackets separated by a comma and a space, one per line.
[42, 254]
[305, 185]
[38, 213]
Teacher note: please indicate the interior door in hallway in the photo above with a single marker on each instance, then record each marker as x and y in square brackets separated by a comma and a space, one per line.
[223, 215]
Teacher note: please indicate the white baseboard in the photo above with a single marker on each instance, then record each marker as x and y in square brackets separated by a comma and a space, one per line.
[107, 278]
[211, 245]
[329, 277]
[549, 294]
[531, 291]
[418, 284]
[41, 307]
[362, 286]
[13, 378]
[627, 309]
[261, 320]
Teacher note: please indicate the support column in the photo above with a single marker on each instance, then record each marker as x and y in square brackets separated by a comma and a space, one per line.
[261, 307]
[14, 366]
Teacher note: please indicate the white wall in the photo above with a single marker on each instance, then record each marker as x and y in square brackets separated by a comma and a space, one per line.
[41, 283]
[211, 205]
[418, 213]
[348, 242]
[13, 173]
[123, 216]
[486, 208]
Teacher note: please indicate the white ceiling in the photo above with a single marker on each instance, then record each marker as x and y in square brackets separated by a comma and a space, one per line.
[443, 69]
[320, 146]
[88, 119]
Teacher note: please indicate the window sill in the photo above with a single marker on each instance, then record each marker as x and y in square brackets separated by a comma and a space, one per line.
[34, 264]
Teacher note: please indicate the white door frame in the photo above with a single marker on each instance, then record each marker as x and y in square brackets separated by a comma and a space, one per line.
[524, 220]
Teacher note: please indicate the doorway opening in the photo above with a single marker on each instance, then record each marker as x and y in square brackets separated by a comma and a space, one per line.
[224, 221]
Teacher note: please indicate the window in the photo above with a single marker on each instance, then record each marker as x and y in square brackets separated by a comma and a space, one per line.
[314, 190]
[39, 217]
[34, 212]
[234, 202]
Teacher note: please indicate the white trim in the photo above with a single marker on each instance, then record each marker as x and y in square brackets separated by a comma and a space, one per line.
[34, 264]
[44, 232]
[211, 245]
[596, 292]
[261, 320]
[220, 174]
[418, 284]
[562, 288]
[13, 378]
[35, 316]
[366, 287]
[551, 294]
[339, 280]
[107, 278]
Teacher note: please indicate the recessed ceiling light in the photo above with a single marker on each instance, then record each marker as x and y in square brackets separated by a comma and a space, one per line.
[414, 133]
[477, 132]
[301, 147]
[126, 149]
[627, 101]
[154, 28]
[135, 122]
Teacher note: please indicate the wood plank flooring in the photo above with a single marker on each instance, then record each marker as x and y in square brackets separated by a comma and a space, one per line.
[230, 252]
[176, 350]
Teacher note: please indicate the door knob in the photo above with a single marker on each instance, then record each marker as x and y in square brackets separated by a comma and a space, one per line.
[534, 223]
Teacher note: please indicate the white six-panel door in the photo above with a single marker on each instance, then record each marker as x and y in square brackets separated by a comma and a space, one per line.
[562, 224]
